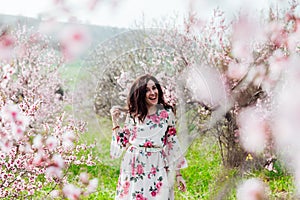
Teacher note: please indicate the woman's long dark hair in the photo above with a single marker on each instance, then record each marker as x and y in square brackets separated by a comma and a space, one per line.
[136, 102]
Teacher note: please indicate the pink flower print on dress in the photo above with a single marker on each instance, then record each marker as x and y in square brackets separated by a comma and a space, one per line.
[126, 187]
[134, 133]
[140, 169]
[164, 114]
[158, 185]
[140, 197]
[172, 131]
[153, 170]
[155, 119]
[181, 163]
[164, 140]
[170, 146]
[153, 193]
[148, 144]
[125, 141]
[132, 167]
[126, 130]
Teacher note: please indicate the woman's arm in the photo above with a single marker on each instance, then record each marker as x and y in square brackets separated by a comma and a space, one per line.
[120, 136]
[115, 115]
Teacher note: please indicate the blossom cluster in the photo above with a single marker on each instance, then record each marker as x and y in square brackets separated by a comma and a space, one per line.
[39, 139]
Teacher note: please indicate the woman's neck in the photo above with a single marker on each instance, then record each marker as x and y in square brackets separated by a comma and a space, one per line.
[152, 110]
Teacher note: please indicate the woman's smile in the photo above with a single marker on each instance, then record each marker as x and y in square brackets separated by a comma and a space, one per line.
[151, 94]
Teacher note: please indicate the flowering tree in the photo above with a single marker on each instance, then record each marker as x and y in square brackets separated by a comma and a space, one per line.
[39, 139]
[257, 59]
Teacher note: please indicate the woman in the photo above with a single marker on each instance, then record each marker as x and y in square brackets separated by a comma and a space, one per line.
[152, 148]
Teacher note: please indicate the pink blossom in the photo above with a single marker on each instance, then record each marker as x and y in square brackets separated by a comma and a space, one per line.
[58, 161]
[53, 172]
[206, 85]
[68, 135]
[75, 40]
[37, 142]
[252, 189]
[71, 192]
[54, 194]
[253, 129]
[7, 43]
[237, 70]
[277, 34]
[6, 145]
[26, 148]
[10, 112]
[244, 32]
[68, 145]
[92, 187]
[18, 132]
[84, 177]
[51, 143]
[278, 62]
[38, 158]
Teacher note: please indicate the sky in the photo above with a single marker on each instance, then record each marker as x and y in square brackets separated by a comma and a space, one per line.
[124, 13]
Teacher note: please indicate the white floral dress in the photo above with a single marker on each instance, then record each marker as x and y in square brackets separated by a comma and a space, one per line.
[152, 151]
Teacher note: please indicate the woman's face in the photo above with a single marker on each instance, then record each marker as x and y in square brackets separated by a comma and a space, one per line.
[151, 94]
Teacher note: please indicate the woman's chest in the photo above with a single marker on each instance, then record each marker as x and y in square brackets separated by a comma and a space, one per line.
[148, 132]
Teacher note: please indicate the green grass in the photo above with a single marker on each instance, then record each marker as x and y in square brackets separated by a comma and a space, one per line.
[280, 182]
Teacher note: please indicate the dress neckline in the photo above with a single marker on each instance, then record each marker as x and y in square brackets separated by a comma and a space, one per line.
[155, 113]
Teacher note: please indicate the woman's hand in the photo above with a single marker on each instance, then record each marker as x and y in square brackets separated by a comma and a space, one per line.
[181, 183]
[115, 112]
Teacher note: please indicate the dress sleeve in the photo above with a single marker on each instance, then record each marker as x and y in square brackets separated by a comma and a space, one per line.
[120, 140]
[174, 154]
